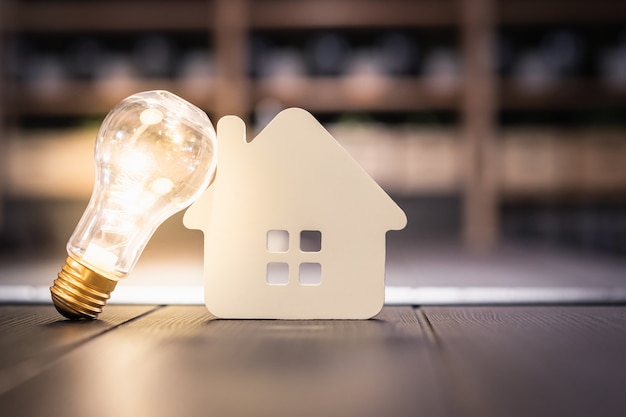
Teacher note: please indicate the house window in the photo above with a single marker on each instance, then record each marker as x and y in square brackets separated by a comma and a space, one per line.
[277, 241]
[309, 272]
[277, 273]
[310, 241]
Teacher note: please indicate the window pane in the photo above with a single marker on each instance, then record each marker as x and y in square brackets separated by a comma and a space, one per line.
[310, 273]
[277, 241]
[310, 241]
[277, 273]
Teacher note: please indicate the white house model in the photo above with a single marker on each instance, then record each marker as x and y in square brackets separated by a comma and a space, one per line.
[293, 227]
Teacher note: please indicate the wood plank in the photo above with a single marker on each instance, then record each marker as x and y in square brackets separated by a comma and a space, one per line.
[98, 97]
[6, 13]
[71, 16]
[353, 93]
[525, 12]
[230, 42]
[539, 361]
[480, 215]
[182, 361]
[565, 94]
[33, 337]
[308, 14]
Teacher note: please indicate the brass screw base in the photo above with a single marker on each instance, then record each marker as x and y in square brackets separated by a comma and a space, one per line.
[80, 292]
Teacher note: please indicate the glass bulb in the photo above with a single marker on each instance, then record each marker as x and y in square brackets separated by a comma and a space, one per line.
[155, 154]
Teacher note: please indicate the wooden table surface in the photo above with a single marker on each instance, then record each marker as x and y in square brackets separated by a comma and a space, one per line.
[430, 361]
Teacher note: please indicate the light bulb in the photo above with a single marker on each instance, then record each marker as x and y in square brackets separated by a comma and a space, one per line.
[155, 154]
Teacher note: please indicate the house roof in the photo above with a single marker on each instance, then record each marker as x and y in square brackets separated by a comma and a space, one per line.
[295, 165]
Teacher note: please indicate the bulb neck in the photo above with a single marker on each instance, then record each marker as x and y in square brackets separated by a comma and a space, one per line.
[79, 292]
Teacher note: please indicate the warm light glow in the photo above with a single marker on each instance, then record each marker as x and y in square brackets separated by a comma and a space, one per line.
[136, 162]
[140, 159]
[162, 186]
[155, 154]
[99, 257]
[151, 117]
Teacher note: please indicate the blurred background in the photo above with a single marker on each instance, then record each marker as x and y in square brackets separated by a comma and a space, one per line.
[499, 126]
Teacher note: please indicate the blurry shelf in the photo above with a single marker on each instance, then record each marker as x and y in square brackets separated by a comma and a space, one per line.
[89, 98]
[55, 164]
[325, 94]
[538, 164]
[338, 94]
[359, 93]
[560, 11]
[551, 163]
[561, 94]
[306, 14]
[65, 15]
[403, 162]
[70, 16]
[562, 194]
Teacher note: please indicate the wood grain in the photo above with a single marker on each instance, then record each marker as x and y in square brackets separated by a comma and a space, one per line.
[33, 337]
[182, 361]
[539, 361]
[432, 361]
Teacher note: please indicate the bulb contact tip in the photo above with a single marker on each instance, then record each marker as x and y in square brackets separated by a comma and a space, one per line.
[79, 292]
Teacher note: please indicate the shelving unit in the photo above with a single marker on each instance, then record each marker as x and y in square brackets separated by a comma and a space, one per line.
[474, 149]
[562, 95]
